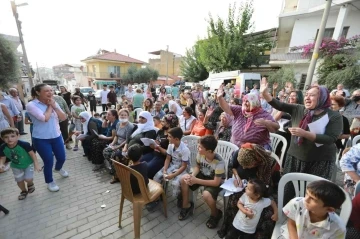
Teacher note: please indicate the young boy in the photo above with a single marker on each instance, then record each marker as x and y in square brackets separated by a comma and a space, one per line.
[76, 109]
[176, 162]
[92, 100]
[314, 216]
[208, 172]
[134, 153]
[23, 160]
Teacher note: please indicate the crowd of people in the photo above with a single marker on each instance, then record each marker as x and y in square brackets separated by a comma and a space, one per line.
[246, 120]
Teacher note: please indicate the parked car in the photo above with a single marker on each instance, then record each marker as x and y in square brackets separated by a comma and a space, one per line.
[98, 97]
[85, 90]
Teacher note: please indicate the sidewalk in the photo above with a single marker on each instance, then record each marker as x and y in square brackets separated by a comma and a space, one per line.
[75, 211]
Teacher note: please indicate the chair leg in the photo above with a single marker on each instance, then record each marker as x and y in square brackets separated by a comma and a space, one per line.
[163, 195]
[194, 198]
[121, 209]
[4, 210]
[137, 212]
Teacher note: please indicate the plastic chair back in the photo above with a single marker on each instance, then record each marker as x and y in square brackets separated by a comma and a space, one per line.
[275, 140]
[123, 172]
[225, 150]
[300, 181]
[191, 142]
[357, 188]
[355, 140]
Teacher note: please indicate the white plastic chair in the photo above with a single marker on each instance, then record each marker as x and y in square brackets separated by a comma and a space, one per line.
[137, 112]
[300, 180]
[192, 143]
[225, 150]
[355, 140]
[275, 140]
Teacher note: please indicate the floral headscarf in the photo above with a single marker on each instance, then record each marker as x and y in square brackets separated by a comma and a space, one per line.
[255, 107]
[171, 119]
[324, 102]
[253, 154]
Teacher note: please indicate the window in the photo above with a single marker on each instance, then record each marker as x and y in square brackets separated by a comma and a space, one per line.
[114, 71]
[329, 32]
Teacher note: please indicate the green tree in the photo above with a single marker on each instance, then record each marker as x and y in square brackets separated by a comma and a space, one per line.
[282, 76]
[191, 67]
[142, 75]
[229, 44]
[9, 63]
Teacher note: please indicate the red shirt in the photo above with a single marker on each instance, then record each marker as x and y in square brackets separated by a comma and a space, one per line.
[354, 217]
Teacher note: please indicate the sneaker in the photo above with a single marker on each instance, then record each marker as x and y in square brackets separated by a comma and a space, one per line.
[62, 172]
[76, 148]
[53, 187]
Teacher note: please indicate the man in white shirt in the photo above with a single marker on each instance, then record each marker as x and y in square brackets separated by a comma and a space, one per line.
[129, 94]
[104, 98]
[255, 89]
[173, 106]
[14, 96]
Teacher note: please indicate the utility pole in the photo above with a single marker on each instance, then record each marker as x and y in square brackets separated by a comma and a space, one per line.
[38, 73]
[167, 63]
[18, 24]
[319, 39]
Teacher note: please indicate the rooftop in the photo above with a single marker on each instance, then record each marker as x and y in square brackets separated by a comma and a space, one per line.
[113, 56]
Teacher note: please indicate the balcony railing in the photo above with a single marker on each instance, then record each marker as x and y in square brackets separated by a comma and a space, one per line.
[104, 75]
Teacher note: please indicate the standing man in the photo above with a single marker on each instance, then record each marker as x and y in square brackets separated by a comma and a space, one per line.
[92, 100]
[9, 103]
[129, 94]
[14, 96]
[255, 89]
[104, 98]
[112, 96]
[175, 92]
[198, 95]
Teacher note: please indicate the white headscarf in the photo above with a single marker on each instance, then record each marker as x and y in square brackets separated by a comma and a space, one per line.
[85, 115]
[149, 125]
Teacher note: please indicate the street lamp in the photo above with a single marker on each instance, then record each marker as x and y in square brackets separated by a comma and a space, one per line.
[18, 24]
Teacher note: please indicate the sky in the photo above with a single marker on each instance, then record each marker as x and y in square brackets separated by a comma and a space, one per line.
[67, 31]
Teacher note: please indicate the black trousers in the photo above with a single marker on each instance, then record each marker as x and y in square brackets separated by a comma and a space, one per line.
[64, 129]
[104, 107]
[234, 233]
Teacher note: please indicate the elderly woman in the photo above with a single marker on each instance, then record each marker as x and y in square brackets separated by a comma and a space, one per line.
[123, 131]
[156, 159]
[99, 144]
[251, 123]
[89, 129]
[311, 151]
[251, 161]
[223, 132]
[45, 114]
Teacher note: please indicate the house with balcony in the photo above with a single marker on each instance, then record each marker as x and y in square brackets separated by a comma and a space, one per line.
[299, 23]
[108, 68]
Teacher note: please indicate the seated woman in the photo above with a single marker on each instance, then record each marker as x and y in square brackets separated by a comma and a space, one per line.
[89, 126]
[251, 161]
[123, 131]
[187, 121]
[199, 128]
[148, 105]
[99, 144]
[350, 165]
[156, 159]
[223, 132]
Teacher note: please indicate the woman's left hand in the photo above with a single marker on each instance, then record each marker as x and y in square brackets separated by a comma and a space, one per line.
[170, 176]
[297, 131]
[260, 122]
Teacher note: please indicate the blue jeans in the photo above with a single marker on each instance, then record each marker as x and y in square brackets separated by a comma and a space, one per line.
[45, 148]
[154, 162]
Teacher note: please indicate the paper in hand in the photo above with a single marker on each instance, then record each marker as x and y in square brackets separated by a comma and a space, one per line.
[147, 141]
[319, 126]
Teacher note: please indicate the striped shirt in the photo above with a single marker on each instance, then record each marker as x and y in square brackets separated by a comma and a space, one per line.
[256, 134]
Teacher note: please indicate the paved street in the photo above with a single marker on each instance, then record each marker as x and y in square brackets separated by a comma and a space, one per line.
[75, 211]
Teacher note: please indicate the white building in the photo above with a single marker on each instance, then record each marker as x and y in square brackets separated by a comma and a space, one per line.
[299, 22]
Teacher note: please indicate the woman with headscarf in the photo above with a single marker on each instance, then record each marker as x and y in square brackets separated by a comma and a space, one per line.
[251, 123]
[310, 152]
[156, 159]
[251, 161]
[89, 126]
[223, 132]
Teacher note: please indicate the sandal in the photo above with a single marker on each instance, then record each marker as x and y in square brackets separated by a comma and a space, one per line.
[31, 188]
[114, 180]
[23, 195]
[186, 212]
[213, 221]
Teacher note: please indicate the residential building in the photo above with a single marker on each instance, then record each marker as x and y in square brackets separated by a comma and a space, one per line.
[71, 76]
[108, 68]
[167, 63]
[44, 73]
[299, 22]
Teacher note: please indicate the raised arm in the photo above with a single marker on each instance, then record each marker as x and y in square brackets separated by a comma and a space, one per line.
[222, 102]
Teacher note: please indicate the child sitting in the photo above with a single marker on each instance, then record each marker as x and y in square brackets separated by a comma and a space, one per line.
[314, 216]
[176, 162]
[23, 160]
[134, 153]
[251, 205]
[209, 172]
